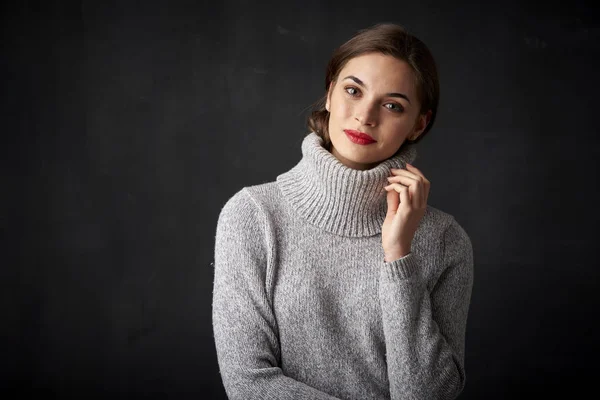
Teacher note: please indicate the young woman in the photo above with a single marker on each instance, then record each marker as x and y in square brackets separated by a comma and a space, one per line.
[337, 280]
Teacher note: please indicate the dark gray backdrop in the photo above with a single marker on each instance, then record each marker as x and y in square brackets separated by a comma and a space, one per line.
[127, 125]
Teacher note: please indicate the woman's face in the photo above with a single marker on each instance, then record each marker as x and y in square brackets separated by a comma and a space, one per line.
[374, 94]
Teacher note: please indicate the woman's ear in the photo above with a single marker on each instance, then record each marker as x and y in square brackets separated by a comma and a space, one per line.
[327, 102]
[421, 124]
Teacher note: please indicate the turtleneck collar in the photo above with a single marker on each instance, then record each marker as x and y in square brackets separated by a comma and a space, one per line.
[336, 198]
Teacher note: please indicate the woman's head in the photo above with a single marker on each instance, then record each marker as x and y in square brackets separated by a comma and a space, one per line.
[382, 82]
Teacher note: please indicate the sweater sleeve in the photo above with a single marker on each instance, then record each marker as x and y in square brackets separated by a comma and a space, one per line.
[425, 331]
[244, 325]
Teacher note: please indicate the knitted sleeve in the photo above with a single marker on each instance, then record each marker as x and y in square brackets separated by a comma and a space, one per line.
[425, 331]
[244, 326]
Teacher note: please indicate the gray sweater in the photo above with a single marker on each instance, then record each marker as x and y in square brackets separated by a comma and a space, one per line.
[304, 305]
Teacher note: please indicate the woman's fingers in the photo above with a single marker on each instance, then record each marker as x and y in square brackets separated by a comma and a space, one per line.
[415, 188]
[416, 171]
[421, 184]
[405, 196]
[393, 202]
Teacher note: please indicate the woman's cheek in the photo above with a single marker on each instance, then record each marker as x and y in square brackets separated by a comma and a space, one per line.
[346, 109]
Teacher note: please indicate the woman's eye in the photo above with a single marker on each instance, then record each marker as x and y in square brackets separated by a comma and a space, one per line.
[394, 107]
[352, 91]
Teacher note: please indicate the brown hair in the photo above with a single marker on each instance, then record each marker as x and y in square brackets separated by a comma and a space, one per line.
[388, 39]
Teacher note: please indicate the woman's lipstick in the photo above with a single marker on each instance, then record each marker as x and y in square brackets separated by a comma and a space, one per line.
[359, 137]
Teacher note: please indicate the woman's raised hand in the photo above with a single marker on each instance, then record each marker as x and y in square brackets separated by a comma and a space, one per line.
[406, 204]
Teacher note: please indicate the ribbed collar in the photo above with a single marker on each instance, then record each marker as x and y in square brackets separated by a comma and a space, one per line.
[338, 199]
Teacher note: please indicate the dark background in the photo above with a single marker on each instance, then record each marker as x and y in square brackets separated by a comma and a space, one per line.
[127, 125]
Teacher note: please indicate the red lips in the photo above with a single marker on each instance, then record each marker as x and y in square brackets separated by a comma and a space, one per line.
[360, 135]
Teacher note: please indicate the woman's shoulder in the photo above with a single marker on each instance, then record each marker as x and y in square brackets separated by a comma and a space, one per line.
[457, 243]
[436, 219]
[250, 201]
[445, 224]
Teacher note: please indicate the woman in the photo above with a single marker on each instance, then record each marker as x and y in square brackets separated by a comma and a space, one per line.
[337, 280]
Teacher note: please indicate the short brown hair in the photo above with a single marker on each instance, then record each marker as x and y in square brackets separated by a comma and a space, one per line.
[388, 39]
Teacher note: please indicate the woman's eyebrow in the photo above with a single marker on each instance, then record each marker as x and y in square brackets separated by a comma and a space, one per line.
[361, 83]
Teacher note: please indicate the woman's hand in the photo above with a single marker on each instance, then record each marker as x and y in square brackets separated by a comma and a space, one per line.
[406, 204]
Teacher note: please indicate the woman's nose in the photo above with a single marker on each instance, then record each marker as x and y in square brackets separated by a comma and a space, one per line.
[366, 114]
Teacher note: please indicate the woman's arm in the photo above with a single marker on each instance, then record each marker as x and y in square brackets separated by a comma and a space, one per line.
[244, 325]
[425, 331]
